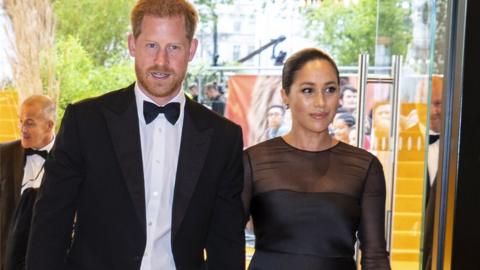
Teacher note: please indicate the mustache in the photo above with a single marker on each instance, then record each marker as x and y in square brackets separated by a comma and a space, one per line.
[161, 69]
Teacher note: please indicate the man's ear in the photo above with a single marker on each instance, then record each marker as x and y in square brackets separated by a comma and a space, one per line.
[193, 48]
[51, 125]
[131, 44]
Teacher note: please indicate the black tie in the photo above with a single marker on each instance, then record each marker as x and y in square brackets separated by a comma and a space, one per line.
[151, 111]
[42, 153]
[433, 138]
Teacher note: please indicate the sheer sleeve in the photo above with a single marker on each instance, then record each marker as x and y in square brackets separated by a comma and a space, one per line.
[372, 224]
[247, 185]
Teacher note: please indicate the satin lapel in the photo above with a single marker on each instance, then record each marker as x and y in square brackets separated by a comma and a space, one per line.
[18, 163]
[193, 151]
[122, 123]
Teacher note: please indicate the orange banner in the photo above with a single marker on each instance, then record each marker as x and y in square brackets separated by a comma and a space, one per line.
[250, 98]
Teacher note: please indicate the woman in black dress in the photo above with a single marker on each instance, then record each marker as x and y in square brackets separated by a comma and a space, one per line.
[308, 194]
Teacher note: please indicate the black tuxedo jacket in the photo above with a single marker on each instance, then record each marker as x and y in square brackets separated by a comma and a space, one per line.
[11, 176]
[95, 174]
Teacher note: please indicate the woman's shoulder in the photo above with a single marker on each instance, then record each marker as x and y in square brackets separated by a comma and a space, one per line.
[354, 152]
[265, 147]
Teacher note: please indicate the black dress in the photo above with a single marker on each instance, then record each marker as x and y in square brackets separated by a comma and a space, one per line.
[307, 207]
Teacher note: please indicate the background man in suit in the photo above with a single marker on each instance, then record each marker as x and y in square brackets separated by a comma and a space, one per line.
[217, 100]
[21, 161]
[435, 115]
[152, 178]
[418, 132]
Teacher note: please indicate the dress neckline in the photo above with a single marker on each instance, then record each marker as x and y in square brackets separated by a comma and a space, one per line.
[308, 151]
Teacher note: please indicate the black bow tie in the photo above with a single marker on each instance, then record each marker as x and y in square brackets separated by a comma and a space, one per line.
[151, 111]
[42, 153]
[433, 138]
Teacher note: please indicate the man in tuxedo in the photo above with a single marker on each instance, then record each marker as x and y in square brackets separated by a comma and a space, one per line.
[433, 145]
[21, 161]
[418, 133]
[151, 178]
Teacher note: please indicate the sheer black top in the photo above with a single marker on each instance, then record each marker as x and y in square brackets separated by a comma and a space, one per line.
[307, 207]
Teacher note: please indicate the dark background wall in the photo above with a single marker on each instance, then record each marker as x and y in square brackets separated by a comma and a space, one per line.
[466, 230]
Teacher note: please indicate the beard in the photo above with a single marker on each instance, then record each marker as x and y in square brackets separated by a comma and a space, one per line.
[159, 89]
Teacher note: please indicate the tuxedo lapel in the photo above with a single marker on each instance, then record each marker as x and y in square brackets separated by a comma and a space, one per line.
[193, 150]
[19, 164]
[122, 122]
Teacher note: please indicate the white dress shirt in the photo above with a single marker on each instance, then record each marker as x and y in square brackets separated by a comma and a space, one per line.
[433, 150]
[33, 169]
[160, 142]
[432, 158]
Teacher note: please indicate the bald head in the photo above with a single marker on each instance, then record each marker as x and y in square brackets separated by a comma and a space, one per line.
[43, 105]
[37, 121]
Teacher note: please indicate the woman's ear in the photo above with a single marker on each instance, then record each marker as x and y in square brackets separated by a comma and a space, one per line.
[285, 98]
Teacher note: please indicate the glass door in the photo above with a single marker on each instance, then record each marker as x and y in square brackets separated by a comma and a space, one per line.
[389, 54]
[399, 106]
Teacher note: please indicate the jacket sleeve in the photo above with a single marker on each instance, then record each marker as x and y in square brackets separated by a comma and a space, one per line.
[54, 210]
[226, 238]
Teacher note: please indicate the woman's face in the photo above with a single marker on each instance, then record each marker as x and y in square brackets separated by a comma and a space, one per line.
[341, 130]
[382, 118]
[314, 97]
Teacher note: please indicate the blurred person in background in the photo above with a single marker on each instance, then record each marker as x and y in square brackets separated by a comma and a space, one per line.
[348, 99]
[193, 91]
[343, 124]
[21, 172]
[215, 97]
[275, 121]
[427, 130]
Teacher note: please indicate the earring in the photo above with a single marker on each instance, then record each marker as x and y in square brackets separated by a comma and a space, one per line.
[286, 106]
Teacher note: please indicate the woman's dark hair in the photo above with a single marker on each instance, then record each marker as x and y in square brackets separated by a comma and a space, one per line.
[298, 60]
[348, 118]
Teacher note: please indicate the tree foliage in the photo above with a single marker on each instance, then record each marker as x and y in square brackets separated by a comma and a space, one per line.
[348, 30]
[440, 32]
[91, 48]
[207, 8]
[80, 78]
[101, 26]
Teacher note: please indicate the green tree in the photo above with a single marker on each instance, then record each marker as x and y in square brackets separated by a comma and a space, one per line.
[101, 26]
[79, 78]
[91, 48]
[440, 32]
[348, 30]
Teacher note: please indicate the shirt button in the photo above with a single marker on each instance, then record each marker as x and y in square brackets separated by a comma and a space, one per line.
[157, 161]
[159, 129]
[150, 223]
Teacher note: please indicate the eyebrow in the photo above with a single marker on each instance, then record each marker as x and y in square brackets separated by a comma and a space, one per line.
[307, 83]
[312, 84]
